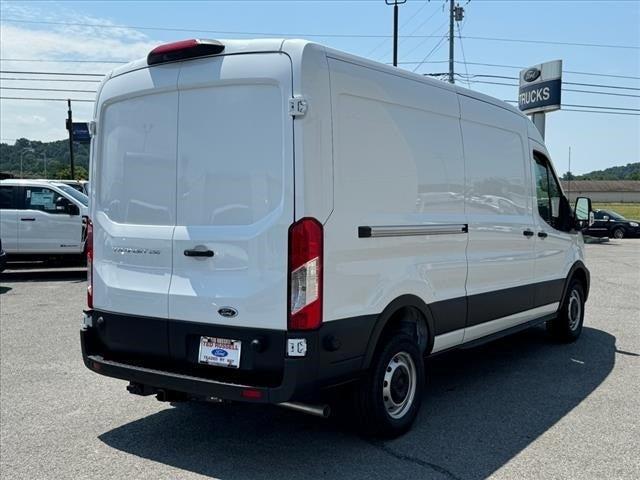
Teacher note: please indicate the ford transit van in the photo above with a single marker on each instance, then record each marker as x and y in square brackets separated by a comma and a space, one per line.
[273, 218]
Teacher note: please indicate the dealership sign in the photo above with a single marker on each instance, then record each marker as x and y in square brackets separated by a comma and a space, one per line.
[541, 87]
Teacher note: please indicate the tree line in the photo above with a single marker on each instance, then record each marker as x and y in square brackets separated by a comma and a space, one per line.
[630, 171]
[33, 155]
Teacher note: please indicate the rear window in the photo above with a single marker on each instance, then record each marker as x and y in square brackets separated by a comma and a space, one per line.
[72, 192]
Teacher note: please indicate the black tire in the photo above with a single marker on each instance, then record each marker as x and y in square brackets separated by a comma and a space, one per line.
[567, 326]
[618, 233]
[378, 414]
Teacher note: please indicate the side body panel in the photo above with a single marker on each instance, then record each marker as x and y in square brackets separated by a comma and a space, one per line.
[399, 171]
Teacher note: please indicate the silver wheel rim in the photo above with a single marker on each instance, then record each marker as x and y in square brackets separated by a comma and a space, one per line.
[399, 385]
[574, 311]
[618, 233]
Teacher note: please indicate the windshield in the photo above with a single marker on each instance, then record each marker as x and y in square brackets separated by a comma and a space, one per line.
[72, 192]
[614, 215]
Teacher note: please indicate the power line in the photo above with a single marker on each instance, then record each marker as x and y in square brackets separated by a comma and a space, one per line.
[464, 58]
[601, 112]
[499, 65]
[47, 89]
[404, 24]
[564, 89]
[322, 35]
[599, 107]
[47, 99]
[432, 51]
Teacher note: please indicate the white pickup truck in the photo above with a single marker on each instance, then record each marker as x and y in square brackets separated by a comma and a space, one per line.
[41, 219]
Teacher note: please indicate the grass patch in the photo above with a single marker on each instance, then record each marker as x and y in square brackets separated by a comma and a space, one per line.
[627, 210]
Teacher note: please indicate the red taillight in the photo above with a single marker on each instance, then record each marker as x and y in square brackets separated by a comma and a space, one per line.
[305, 274]
[183, 50]
[89, 249]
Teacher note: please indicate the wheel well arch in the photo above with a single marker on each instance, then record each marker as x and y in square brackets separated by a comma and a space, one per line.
[580, 272]
[405, 313]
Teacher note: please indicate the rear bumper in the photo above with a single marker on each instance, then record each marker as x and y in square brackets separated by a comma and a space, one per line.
[162, 355]
[195, 386]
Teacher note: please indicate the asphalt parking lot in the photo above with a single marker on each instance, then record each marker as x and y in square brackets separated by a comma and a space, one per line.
[521, 407]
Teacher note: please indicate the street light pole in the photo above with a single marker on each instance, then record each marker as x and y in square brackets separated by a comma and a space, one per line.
[24, 150]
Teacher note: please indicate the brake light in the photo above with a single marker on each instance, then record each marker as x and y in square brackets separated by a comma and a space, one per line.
[305, 274]
[183, 50]
[89, 249]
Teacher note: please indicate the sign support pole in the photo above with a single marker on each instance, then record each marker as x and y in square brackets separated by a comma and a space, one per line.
[539, 120]
[70, 128]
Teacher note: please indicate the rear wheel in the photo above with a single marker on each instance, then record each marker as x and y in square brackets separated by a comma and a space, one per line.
[388, 398]
[618, 233]
[567, 326]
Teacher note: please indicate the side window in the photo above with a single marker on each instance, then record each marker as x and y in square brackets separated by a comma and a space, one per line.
[542, 190]
[548, 193]
[41, 198]
[7, 199]
[599, 215]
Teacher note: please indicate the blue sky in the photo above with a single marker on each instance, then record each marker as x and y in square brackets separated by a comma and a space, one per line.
[597, 140]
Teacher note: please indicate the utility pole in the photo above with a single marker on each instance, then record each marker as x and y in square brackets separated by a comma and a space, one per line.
[456, 12]
[395, 4]
[70, 128]
[451, 9]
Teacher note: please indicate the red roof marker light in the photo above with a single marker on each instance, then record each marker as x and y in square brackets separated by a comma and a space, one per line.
[184, 49]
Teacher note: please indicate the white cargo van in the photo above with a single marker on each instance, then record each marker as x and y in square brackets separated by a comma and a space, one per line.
[42, 219]
[272, 218]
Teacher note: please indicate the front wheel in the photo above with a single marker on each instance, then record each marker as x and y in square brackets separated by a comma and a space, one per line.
[388, 398]
[618, 233]
[567, 326]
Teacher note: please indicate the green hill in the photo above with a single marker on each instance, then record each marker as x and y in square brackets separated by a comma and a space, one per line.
[56, 153]
[630, 171]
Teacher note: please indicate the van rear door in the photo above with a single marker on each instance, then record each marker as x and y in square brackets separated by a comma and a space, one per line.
[133, 204]
[234, 198]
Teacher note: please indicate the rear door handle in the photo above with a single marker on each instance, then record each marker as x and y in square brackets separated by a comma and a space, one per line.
[542, 234]
[528, 233]
[198, 253]
[30, 219]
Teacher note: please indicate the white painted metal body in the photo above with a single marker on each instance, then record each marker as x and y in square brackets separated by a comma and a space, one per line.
[204, 154]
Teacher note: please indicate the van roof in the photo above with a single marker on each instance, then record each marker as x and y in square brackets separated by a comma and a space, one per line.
[295, 49]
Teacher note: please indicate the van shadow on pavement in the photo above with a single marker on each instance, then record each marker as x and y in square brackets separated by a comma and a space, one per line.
[482, 407]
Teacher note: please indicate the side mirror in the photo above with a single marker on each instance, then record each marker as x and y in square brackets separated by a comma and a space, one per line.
[62, 204]
[583, 213]
[606, 218]
[73, 209]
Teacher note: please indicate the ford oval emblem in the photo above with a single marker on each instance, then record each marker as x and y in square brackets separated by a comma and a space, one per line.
[228, 312]
[218, 352]
[531, 74]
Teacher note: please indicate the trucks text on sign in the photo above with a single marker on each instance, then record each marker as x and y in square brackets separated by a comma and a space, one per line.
[541, 88]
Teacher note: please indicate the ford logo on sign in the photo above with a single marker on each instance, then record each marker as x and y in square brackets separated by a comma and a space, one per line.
[218, 352]
[531, 75]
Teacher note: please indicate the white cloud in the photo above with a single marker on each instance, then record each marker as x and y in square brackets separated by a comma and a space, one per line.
[44, 120]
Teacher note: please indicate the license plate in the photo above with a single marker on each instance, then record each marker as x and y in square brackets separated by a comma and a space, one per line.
[221, 352]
